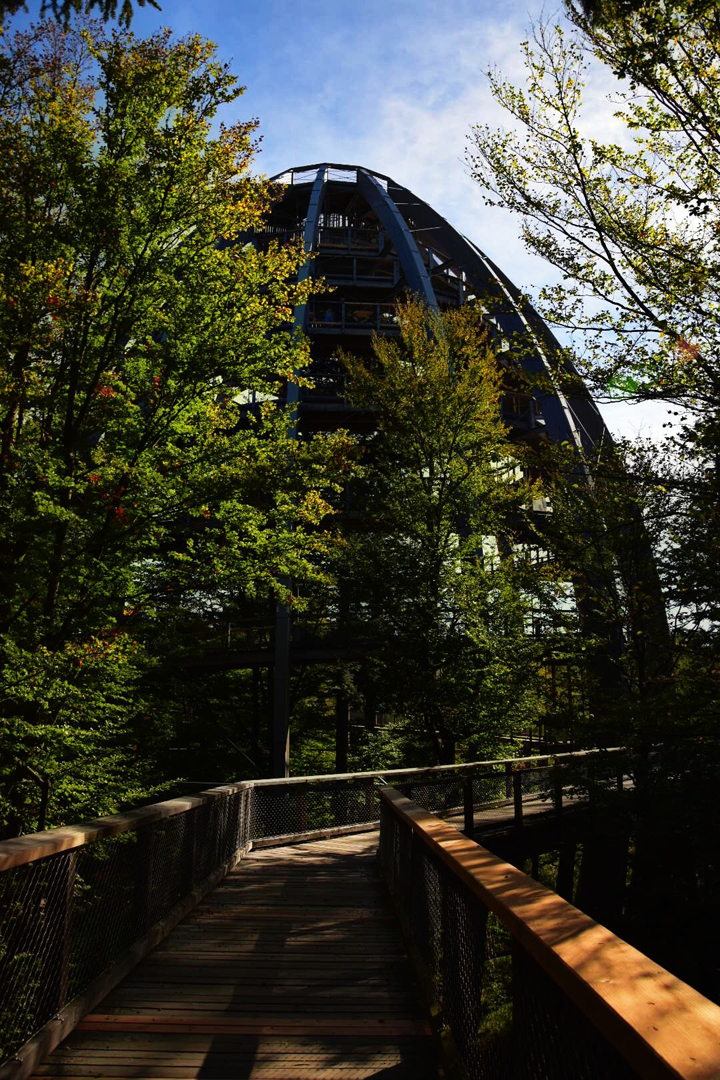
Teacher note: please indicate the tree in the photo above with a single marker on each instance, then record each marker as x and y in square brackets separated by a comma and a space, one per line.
[632, 226]
[609, 514]
[145, 466]
[440, 572]
[63, 10]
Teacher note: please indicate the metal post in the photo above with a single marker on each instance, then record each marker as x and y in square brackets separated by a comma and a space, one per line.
[280, 750]
[518, 797]
[468, 808]
[558, 789]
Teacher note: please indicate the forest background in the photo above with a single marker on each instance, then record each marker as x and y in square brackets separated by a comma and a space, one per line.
[144, 507]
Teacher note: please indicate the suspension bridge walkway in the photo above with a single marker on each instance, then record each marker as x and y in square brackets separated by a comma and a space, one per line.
[330, 927]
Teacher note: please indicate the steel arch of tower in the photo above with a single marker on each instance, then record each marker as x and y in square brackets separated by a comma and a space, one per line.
[403, 217]
[374, 240]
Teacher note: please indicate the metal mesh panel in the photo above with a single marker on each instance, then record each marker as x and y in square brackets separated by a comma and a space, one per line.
[505, 1016]
[463, 963]
[284, 810]
[443, 796]
[425, 915]
[553, 1038]
[492, 798]
[66, 918]
[33, 933]
[536, 781]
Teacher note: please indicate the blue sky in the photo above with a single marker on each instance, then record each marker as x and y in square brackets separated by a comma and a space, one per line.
[394, 85]
[391, 85]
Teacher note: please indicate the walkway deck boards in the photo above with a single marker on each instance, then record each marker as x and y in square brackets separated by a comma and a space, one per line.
[292, 969]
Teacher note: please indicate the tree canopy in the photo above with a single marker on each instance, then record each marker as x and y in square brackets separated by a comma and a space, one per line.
[631, 224]
[63, 10]
[145, 465]
[441, 570]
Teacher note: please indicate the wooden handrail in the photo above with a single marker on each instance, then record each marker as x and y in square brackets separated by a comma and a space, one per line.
[26, 849]
[659, 1024]
[434, 770]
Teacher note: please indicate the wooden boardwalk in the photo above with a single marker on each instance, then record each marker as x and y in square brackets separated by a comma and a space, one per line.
[292, 969]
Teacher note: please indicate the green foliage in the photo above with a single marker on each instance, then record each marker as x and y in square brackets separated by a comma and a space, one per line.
[139, 486]
[606, 522]
[64, 10]
[444, 494]
[632, 225]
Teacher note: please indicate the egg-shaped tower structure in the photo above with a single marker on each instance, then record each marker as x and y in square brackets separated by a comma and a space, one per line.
[373, 241]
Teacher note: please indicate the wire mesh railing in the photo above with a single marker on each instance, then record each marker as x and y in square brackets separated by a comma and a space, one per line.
[487, 795]
[521, 983]
[74, 902]
[79, 906]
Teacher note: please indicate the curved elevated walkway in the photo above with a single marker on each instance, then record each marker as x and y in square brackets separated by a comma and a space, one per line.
[292, 968]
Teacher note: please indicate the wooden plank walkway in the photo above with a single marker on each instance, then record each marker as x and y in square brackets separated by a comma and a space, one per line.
[292, 969]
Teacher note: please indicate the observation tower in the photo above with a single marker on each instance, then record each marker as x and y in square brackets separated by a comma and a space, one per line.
[374, 241]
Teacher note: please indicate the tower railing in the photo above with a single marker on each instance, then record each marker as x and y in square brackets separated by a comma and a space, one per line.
[80, 906]
[355, 317]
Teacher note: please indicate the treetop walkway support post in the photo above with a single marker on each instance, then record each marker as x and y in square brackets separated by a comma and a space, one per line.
[280, 748]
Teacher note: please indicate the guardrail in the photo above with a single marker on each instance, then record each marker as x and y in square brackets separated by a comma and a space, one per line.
[80, 906]
[342, 315]
[522, 983]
